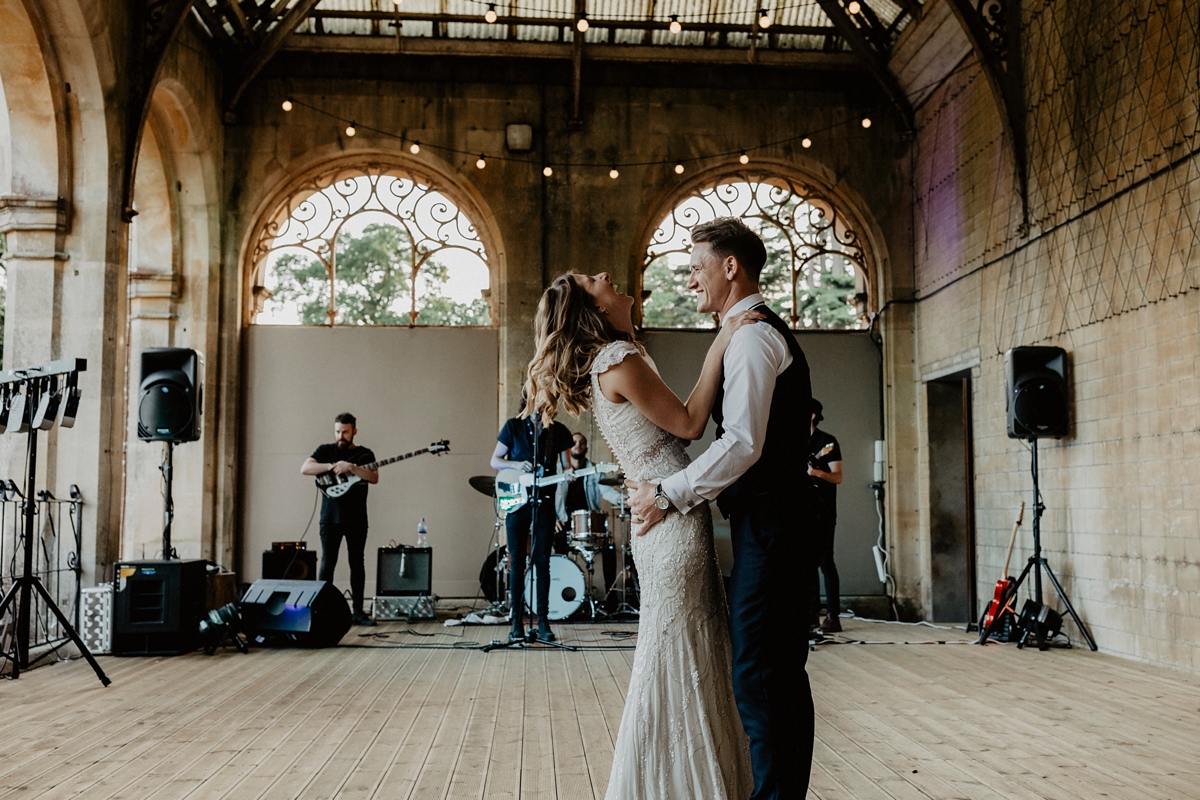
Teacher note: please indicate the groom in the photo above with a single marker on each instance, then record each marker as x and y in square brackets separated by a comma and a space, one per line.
[762, 415]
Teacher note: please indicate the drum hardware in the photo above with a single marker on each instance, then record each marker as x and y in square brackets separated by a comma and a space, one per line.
[629, 582]
[486, 484]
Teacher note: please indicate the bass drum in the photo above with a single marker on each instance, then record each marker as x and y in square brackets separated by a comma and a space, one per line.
[567, 585]
[493, 584]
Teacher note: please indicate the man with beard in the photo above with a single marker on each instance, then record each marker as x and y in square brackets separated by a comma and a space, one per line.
[345, 516]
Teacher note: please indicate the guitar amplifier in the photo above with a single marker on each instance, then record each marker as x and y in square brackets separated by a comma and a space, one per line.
[404, 571]
[291, 561]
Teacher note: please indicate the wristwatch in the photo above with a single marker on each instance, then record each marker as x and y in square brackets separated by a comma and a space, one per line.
[660, 499]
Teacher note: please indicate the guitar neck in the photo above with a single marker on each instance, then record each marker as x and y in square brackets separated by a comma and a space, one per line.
[384, 462]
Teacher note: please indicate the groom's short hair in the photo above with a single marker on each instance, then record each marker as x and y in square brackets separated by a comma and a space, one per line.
[729, 236]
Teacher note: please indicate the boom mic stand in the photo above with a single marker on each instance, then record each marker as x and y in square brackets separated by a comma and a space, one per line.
[1037, 562]
[38, 397]
[531, 637]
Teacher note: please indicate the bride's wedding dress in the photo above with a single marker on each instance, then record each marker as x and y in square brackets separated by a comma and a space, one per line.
[681, 737]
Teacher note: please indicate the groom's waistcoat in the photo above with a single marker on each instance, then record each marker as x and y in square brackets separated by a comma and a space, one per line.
[782, 469]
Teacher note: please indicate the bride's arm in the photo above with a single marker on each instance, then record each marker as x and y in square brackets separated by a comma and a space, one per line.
[634, 380]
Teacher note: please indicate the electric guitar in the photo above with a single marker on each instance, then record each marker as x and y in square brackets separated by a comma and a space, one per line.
[513, 485]
[1001, 601]
[334, 486]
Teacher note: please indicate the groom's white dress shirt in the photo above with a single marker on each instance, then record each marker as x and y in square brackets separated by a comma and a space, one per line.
[756, 356]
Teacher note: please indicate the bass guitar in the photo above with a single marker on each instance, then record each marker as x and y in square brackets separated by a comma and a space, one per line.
[334, 486]
[513, 486]
[1002, 600]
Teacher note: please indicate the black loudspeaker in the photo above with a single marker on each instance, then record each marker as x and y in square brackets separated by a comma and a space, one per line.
[157, 606]
[170, 397]
[1038, 401]
[404, 571]
[292, 561]
[302, 613]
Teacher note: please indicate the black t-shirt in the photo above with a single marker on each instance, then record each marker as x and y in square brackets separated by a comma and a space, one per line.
[826, 490]
[350, 508]
[517, 436]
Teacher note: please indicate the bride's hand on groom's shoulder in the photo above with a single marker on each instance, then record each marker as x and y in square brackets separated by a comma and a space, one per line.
[733, 322]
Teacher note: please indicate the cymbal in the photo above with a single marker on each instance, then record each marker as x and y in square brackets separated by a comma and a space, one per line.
[613, 480]
[484, 484]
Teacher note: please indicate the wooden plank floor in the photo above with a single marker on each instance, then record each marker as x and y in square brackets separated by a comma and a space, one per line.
[377, 719]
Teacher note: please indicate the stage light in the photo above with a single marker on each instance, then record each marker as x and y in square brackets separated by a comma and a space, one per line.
[866, 123]
[350, 129]
[806, 142]
[675, 26]
[764, 19]
[490, 15]
[582, 24]
[743, 158]
[853, 7]
[612, 173]
[414, 148]
[679, 169]
[547, 171]
[481, 163]
[287, 104]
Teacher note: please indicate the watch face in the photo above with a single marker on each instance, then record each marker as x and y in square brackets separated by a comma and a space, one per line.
[662, 502]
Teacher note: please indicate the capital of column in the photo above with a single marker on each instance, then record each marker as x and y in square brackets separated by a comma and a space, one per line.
[30, 225]
[151, 294]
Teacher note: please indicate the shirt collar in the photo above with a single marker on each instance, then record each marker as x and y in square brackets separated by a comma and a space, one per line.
[745, 303]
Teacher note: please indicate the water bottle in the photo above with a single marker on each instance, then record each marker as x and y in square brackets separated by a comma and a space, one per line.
[422, 533]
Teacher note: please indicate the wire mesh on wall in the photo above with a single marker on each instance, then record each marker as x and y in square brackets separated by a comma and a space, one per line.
[815, 274]
[370, 244]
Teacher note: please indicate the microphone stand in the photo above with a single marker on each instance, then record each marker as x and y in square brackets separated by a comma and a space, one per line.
[531, 637]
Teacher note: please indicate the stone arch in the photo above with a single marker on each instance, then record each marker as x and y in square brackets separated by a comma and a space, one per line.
[306, 172]
[813, 180]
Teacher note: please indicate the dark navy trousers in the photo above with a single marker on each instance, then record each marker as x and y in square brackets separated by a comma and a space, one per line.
[517, 525]
[773, 548]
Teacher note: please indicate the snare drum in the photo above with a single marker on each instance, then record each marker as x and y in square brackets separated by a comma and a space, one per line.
[588, 525]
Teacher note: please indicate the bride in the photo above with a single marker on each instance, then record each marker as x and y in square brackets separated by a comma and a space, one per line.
[681, 736]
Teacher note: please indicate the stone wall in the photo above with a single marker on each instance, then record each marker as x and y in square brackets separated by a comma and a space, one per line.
[1108, 271]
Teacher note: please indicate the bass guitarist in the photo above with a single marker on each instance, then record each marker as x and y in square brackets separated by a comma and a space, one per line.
[514, 450]
[345, 516]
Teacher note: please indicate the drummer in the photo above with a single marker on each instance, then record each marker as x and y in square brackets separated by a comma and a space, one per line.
[584, 494]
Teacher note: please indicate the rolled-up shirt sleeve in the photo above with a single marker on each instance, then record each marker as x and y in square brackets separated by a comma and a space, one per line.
[756, 356]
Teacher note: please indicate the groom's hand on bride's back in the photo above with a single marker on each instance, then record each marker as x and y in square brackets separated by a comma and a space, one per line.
[641, 505]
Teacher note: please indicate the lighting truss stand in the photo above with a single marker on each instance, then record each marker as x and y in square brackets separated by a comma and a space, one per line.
[1037, 562]
[531, 637]
[29, 583]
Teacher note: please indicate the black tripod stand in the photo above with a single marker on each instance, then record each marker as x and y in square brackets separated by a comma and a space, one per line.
[518, 609]
[1035, 565]
[37, 396]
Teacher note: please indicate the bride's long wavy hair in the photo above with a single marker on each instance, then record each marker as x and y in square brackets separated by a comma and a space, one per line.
[568, 334]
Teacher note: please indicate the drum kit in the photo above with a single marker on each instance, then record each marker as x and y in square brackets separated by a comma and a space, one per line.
[573, 593]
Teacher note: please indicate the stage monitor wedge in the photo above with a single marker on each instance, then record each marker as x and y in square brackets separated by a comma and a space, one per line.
[301, 613]
[1037, 398]
[170, 395]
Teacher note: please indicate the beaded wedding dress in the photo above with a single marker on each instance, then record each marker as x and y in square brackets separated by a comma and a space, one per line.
[681, 737]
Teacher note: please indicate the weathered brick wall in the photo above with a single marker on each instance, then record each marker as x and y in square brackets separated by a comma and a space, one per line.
[1108, 270]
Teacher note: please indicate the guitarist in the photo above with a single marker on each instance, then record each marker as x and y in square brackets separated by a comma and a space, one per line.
[345, 516]
[825, 467]
[514, 450]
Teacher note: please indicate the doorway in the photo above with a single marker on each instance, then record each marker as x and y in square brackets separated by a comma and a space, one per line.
[951, 499]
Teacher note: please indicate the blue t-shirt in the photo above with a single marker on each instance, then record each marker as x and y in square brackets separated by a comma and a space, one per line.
[517, 436]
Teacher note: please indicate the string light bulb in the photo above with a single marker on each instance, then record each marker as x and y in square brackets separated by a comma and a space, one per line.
[547, 171]
[866, 123]
[853, 7]
[806, 142]
[764, 19]
[489, 16]
[675, 26]
[414, 148]
[679, 168]
[287, 104]
[481, 162]
[613, 173]
[582, 24]
[396, 3]
[743, 158]
[350, 129]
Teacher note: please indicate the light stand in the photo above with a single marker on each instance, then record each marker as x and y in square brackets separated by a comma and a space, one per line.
[36, 390]
[531, 637]
[1037, 562]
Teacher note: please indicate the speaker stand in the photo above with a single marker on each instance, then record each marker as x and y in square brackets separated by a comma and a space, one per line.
[168, 501]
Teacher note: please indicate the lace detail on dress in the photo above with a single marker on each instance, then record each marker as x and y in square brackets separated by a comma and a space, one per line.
[681, 737]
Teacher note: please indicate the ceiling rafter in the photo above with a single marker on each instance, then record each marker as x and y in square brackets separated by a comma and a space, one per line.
[257, 58]
[993, 28]
[875, 59]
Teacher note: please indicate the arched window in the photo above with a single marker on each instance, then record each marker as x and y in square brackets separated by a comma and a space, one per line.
[814, 276]
[370, 245]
